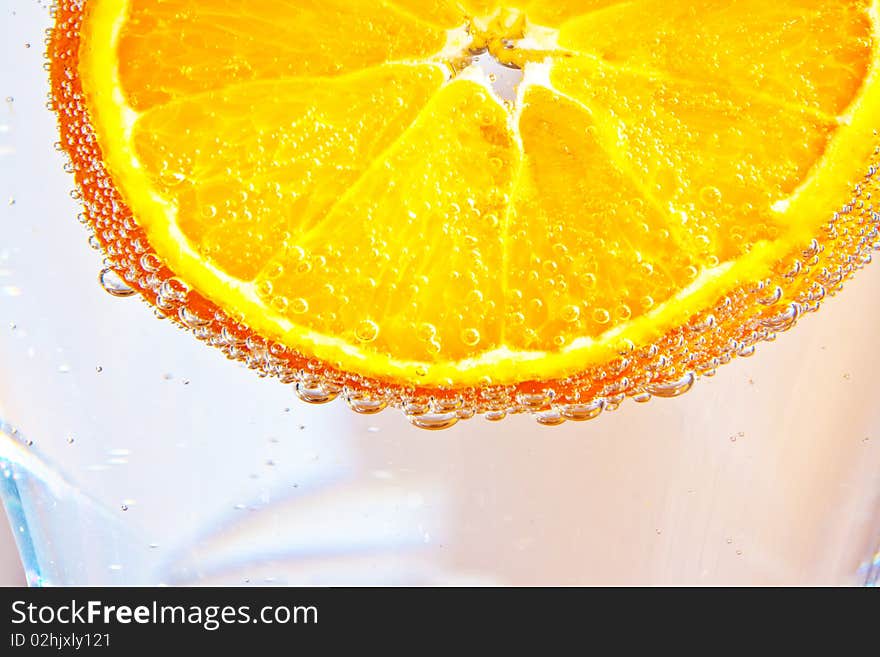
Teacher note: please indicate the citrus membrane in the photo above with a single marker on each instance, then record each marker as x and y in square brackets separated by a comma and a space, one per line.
[335, 192]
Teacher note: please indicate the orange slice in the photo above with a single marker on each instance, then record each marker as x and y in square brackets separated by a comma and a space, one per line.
[337, 193]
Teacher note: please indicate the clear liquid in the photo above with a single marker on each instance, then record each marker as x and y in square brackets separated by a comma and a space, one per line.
[133, 454]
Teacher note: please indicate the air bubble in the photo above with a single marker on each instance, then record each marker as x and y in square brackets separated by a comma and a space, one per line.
[471, 337]
[114, 285]
[279, 304]
[171, 178]
[264, 289]
[571, 313]
[673, 388]
[190, 318]
[274, 270]
[316, 393]
[151, 262]
[299, 306]
[446, 405]
[601, 316]
[367, 331]
[772, 298]
[434, 421]
[174, 290]
[582, 412]
[623, 312]
[426, 331]
[784, 320]
[534, 402]
[551, 418]
[415, 409]
[710, 195]
[363, 404]
[613, 402]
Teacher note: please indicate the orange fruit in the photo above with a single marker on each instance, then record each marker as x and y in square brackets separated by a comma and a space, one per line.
[338, 194]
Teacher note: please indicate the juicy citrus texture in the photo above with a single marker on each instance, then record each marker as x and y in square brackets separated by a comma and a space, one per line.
[329, 190]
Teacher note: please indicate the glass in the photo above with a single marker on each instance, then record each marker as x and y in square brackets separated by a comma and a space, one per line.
[132, 454]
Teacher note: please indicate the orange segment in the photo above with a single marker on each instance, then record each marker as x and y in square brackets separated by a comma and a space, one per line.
[714, 165]
[270, 157]
[810, 53]
[171, 49]
[599, 252]
[405, 262]
[340, 181]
